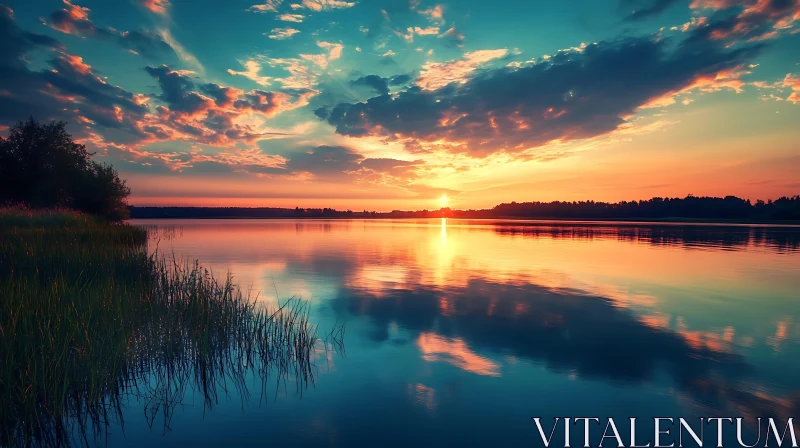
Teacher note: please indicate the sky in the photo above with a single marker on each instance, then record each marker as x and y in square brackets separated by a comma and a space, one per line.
[391, 104]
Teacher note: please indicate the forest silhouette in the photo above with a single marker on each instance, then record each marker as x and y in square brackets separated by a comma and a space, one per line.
[729, 208]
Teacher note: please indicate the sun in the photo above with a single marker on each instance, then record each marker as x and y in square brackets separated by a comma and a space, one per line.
[443, 201]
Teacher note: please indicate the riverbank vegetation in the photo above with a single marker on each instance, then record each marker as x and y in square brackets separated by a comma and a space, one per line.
[89, 318]
[42, 167]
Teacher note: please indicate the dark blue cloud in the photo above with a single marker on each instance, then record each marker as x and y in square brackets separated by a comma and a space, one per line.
[73, 19]
[48, 94]
[572, 95]
[146, 43]
[375, 82]
[400, 80]
[325, 161]
[747, 21]
[177, 90]
[381, 85]
[16, 43]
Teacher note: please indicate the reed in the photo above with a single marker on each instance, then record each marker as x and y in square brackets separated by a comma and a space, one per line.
[88, 319]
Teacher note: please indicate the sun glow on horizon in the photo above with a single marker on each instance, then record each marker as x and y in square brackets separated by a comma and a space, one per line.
[443, 201]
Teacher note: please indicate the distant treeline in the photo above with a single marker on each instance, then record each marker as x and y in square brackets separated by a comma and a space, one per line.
[690, 207]
[245, 212]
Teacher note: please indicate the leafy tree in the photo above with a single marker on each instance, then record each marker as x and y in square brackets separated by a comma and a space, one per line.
[42, 167]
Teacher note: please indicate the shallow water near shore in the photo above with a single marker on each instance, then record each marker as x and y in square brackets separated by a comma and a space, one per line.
[458, 332]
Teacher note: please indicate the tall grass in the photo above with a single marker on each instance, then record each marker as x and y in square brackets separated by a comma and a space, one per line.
[89, 319]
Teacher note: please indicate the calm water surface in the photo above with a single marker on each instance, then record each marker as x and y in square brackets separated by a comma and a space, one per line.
[458, 332]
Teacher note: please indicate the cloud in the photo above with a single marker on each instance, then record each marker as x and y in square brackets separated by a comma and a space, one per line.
[156, 6]
[570, 96]
[325, 161]
[301, 76]
[436, 75]
[177, 90]
[792, 82]
[74, 19]
[16, 43]
[714, 4]
[223, 104]
[223, 96]
[296, 18]
[375, 82]
[67, 89]
[746, 20]
[334, 50]
[381, 85]
[453, 36]
[454, 351]
[149, 44]
[693, 23]
[282, 33]
[427, 31]
[251, 72]
[399, 80]
[114, 120]
[271, 103]
[268, 6]
[388, 165]
[393, 172]
[751, 20]
[183, 54]
[322, 60]
[323, 5]
[251, 160]
[434, 14]
[408, 35]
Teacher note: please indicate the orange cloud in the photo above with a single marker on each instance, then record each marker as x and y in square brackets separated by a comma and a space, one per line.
[325, 5]
[436, 75]
[295, 18]
[76, 63]
[714, 4]
[758, 19]
[156, 6]
[283, 33]
[72, 19]
[456, 352]
[792, 82]
[251, 72]
[268, 6]
[434, 14]
[725, 79]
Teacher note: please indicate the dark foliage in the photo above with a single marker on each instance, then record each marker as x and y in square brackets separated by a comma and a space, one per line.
[691, 207]
[42, 167]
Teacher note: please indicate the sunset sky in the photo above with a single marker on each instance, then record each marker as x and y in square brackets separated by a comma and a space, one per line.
[389, 104]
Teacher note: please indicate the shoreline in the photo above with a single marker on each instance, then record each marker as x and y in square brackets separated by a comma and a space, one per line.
[536, 221]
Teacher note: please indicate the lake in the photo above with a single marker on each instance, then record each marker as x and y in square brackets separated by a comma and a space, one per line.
[459, 332]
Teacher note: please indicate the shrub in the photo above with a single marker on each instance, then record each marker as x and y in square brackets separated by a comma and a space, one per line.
[42, 167]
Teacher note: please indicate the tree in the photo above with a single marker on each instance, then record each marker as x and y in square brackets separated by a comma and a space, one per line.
[41, 166]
